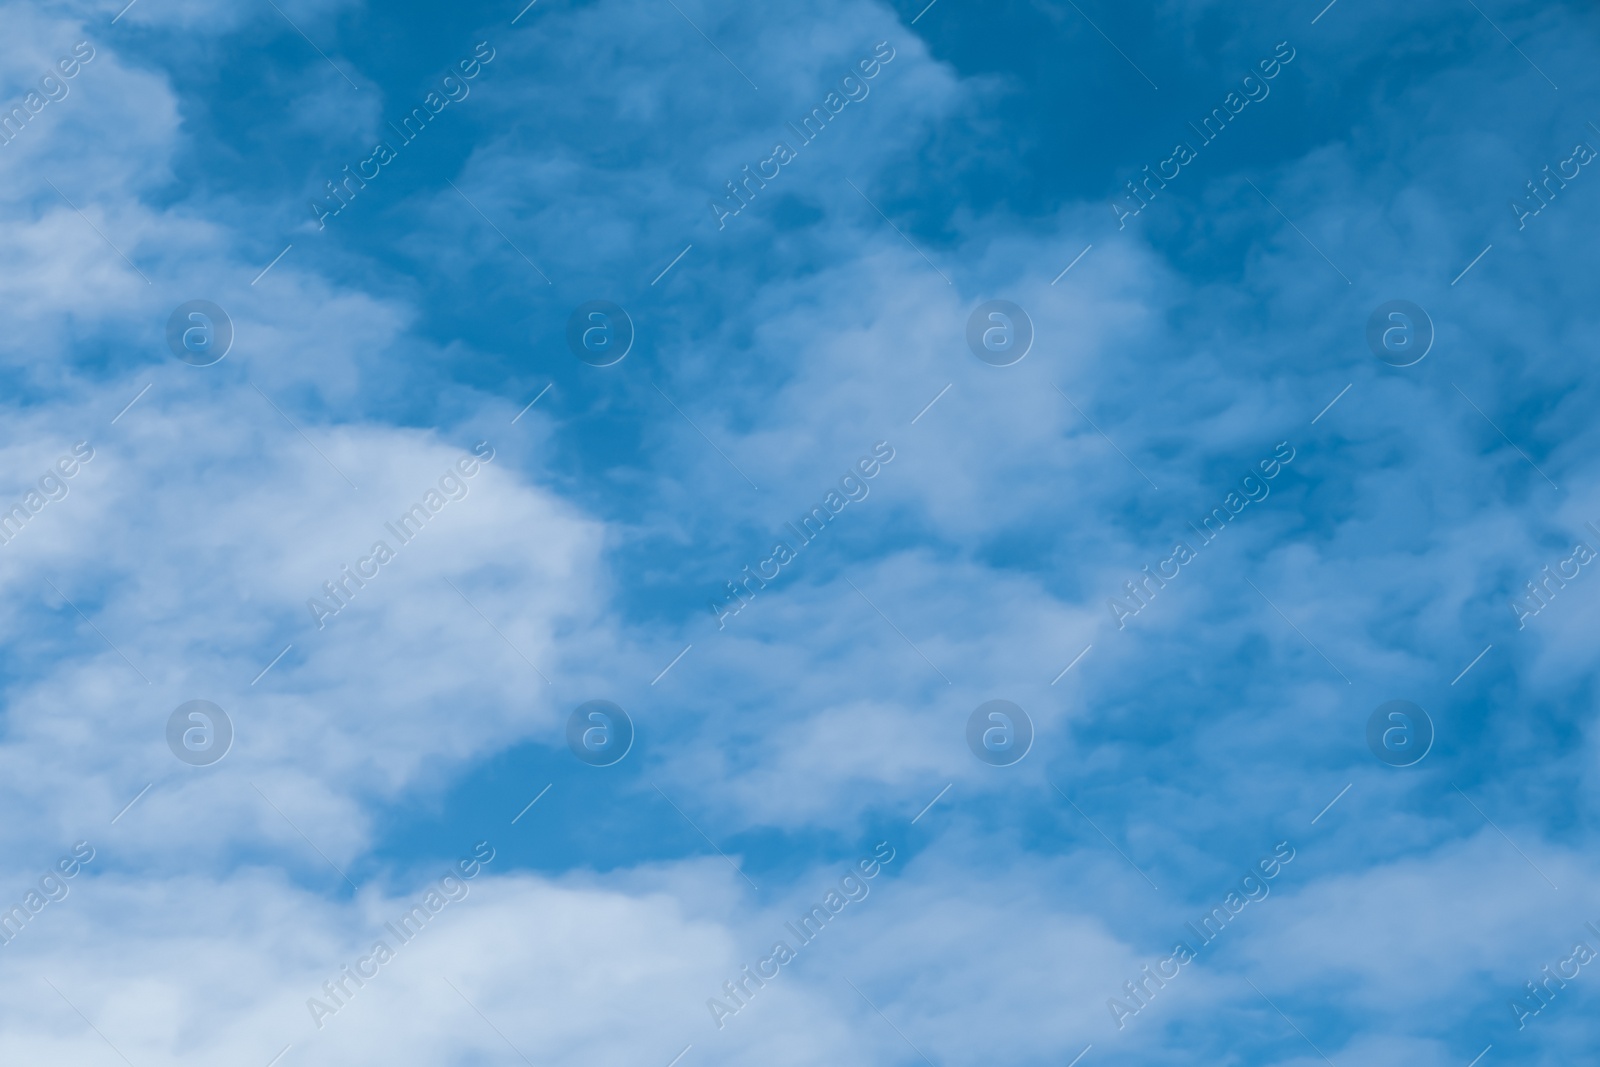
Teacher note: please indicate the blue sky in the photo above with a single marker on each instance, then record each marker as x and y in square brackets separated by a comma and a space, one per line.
[1175, 352]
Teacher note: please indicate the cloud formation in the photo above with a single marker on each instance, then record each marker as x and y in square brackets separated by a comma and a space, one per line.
[423, 708]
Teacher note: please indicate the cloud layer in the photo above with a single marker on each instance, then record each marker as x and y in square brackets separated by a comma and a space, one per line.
[1185, 726]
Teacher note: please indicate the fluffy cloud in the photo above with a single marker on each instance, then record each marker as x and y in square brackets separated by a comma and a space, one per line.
[1176, 353]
